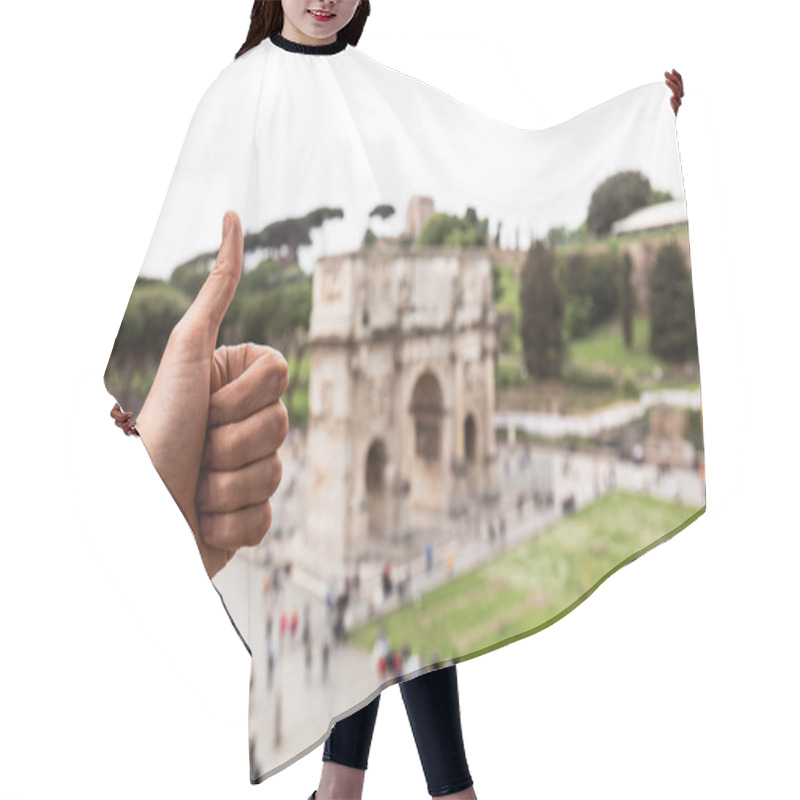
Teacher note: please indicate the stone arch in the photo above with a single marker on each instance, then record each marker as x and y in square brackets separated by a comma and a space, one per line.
[375, 485]
[427, 409]
[376, 467]
[430, 443]
[470, 438]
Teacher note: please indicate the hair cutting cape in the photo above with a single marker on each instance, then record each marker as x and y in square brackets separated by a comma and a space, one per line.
[494, 392]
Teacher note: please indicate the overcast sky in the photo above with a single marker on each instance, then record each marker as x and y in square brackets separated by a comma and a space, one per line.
[345, 131]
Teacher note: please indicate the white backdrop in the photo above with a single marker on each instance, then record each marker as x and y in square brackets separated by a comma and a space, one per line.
[120, 673]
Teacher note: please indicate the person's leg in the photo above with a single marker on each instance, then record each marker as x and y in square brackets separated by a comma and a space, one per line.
[346, 754]
[433, 709]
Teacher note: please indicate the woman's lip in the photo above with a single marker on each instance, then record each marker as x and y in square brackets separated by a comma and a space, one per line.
[322, 17]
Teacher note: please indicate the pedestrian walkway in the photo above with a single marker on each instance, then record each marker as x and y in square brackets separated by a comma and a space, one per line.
[298, 704]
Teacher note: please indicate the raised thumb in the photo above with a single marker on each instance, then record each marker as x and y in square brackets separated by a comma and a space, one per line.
[216, 293]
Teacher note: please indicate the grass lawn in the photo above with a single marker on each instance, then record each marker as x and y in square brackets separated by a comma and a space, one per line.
[603, 346]
[532, 584]
[606, 346]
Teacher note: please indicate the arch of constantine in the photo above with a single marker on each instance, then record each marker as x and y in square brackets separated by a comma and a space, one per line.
[400, 444]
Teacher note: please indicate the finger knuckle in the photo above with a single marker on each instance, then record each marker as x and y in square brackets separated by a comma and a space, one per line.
[275, 474]
[283, 427]
[280, 373]
[258, 528]
[212, 530]
[224, 449]
[220, 487]
[258, 524]
[210, 451]
[231, 536]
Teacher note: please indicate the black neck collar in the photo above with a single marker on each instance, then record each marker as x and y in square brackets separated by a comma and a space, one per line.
[309, 49]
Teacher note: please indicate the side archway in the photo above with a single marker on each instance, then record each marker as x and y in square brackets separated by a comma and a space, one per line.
[470, 439]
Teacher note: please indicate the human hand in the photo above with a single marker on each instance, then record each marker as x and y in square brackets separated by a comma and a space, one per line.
[675, 82]
[241, 468]
[234, 384]
[124, 420]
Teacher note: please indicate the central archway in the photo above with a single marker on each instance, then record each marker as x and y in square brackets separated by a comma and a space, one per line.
[375, 479]
[428, 488]
[427, 409]
[470, 438]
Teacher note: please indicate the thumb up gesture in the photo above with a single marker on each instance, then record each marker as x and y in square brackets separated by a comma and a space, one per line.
[213, 420]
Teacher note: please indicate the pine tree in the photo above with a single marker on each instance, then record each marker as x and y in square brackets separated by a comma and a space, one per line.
[626, 300]
[541, 313]
[673, 332]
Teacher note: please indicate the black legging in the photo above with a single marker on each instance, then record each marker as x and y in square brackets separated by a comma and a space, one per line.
[432, 706]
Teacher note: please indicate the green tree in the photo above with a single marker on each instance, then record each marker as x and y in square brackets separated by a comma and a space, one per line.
[557, 236]
[369, 238]
[383, 211]
[603, 286]
[580, 234]
[578, 305]
[657, 196]
[615, 198]
[448, 230]
[626, 299]
[576, 275]
[189, 277]
[541, 313]
[152, 312]
[673, 331]
[497, 282]
[271, 305]
[291, 233]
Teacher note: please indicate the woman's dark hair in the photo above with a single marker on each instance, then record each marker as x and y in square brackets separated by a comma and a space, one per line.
[266, 18]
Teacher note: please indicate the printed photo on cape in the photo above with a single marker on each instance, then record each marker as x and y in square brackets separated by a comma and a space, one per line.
[494, 392]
